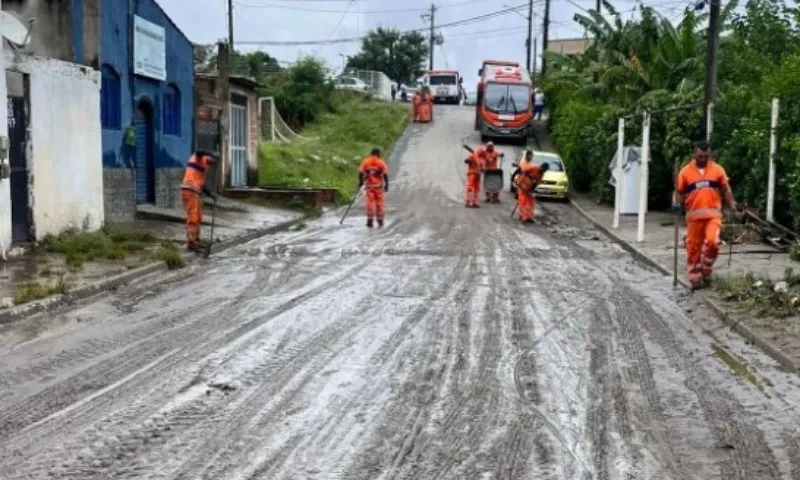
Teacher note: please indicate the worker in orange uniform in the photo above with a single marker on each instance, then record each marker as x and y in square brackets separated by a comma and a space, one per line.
[373, 175]
[473, 180]
[489, 156]
[415, 101]
[702, 185]
[193, 185]
[529, 177]
[428, 99]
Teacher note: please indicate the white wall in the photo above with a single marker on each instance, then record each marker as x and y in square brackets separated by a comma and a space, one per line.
[5, 190]
[65, 155]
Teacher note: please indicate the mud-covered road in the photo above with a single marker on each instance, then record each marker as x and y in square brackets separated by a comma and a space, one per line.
[451, 344]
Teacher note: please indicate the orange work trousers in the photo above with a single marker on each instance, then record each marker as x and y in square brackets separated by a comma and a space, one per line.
[194, 215]
[702, 247]
[473, 188]
[373, 197]
[526, 204]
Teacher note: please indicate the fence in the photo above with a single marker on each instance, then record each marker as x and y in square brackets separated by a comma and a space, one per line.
[643, 171]
[273, 127]
[380, 86]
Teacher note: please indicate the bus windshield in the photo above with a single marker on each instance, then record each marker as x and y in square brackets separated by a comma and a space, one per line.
[505, 98]
[443, 80]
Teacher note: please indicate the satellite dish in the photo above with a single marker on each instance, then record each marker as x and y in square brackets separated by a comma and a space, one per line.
[13, 29]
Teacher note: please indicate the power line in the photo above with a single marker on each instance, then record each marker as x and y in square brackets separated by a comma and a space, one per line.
[369, 12]
[465, 21]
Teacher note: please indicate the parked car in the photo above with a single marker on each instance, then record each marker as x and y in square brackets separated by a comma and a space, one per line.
[350, 83]
[555, 183]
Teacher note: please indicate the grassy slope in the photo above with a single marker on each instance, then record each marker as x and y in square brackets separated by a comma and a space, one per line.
[339, 141]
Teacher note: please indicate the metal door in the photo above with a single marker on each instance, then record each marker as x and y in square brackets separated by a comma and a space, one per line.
[20, 203]
[238, 141]
[145, 171]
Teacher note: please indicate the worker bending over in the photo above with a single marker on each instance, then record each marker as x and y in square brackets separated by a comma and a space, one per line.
[529, 177]
[488, 157]
[193, 185]
[701, 185]
[374, 176]
[473, 180]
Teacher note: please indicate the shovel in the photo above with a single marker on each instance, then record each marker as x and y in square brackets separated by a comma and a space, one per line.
[355, 197]
[207, 253]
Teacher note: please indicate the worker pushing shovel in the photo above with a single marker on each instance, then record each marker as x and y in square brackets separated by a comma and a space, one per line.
[192, 187]
[529, 177]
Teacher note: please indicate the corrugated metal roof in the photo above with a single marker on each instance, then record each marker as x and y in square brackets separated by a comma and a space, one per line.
[569, 46]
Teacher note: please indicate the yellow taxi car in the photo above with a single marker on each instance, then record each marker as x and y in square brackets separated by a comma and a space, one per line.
[555, 183]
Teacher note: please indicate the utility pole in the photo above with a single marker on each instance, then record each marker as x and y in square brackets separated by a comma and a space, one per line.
[599, 5]
[711, 58]
[433, 36]
[546, 36]
[530, 35]
[230, 26]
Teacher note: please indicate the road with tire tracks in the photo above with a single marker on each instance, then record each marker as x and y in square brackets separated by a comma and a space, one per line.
[451, 344]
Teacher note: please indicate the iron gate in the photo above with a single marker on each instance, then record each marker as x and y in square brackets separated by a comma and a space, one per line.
[20, 203]
[238, 140]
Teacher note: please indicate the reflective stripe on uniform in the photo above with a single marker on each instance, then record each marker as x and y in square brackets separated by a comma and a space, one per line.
[713, 184]
[704, 212]
[196, 166]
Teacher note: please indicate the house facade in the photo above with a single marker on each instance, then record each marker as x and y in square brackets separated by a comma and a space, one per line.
[146, 97]
[240, 161]
[54, 181]
[147, 106]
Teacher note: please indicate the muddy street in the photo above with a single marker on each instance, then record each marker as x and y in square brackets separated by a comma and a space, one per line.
[451, 344]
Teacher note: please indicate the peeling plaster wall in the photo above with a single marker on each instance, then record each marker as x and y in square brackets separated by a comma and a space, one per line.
[65, 152]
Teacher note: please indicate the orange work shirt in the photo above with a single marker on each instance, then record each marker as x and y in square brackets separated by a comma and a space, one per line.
[530, 175]
[474, 165]
[194, 177]
[490, 159]
[373, 169]
[702, 191]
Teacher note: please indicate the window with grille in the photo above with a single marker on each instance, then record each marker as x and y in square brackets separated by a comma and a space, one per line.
[172, 110]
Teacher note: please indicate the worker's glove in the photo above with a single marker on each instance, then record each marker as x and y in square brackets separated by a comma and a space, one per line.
[676, 208]
[502, 155]
[386, 188]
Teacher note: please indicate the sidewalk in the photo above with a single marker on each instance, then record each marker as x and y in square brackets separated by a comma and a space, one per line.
[779, 337]
[100, 260]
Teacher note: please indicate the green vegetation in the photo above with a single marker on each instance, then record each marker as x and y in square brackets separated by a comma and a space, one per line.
[649, 63]
[105, 244]
[763, 296]
[339, 140]
[170, 254]
[794, 252]
[28, 292]
[401, 56]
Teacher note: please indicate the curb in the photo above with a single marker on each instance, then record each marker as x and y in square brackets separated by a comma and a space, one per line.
[767, 347]
[57, 302]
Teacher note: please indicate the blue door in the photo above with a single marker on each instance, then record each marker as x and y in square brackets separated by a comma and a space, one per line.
[145, 164]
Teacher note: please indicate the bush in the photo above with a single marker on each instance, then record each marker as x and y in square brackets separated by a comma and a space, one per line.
[623, 74]
[301, 92]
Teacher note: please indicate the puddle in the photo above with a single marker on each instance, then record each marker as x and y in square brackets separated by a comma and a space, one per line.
[742, 369]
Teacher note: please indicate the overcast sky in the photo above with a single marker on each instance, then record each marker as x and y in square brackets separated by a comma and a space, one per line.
[465, 46]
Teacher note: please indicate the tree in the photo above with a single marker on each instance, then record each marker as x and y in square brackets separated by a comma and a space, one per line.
[258, 65]
[401, 56]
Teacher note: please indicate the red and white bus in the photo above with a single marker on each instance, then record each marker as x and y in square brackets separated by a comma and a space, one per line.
[504, 108]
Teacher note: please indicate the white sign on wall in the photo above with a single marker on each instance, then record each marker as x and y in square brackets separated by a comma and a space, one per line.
[149, 49]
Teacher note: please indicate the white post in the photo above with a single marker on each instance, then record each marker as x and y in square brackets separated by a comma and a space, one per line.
[709, 121]
[272, 118]
[618, 172]
[644, 173]
[773, 148]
